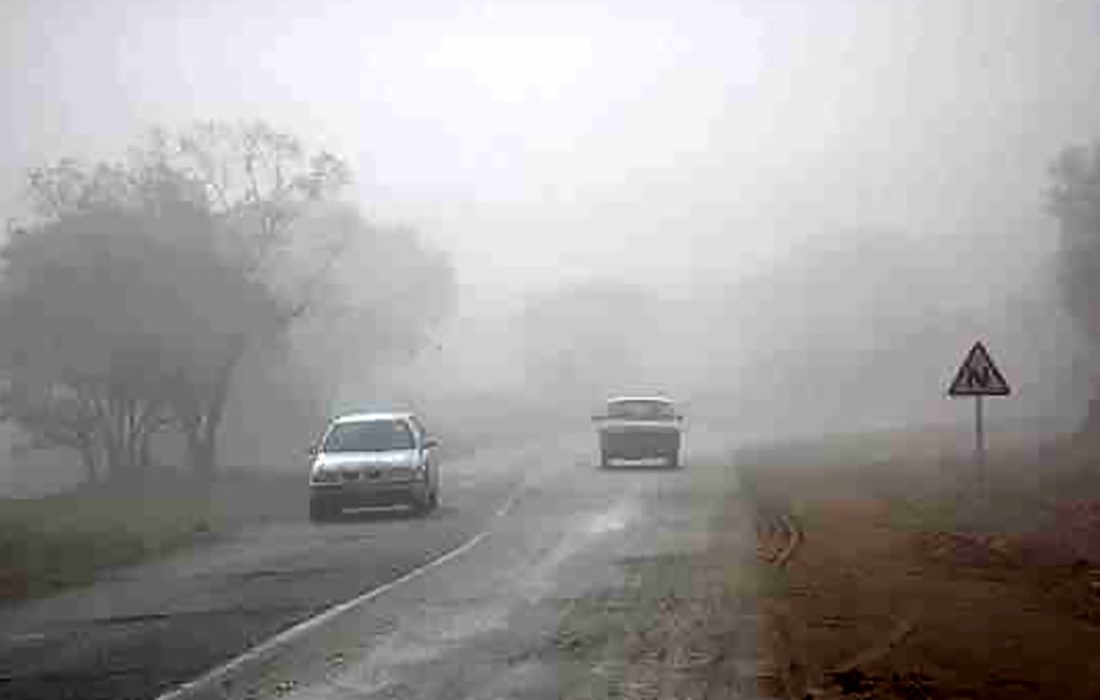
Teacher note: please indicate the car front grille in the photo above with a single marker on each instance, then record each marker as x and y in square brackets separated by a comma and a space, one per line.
[377, 474]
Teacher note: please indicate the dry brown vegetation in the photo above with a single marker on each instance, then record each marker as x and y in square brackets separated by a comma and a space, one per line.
[908, 585]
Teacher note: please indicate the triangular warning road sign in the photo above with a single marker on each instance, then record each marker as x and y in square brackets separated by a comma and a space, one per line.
[978, 376]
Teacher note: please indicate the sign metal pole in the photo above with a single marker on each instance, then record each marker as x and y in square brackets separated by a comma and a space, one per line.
[979, 437]
[979, 446]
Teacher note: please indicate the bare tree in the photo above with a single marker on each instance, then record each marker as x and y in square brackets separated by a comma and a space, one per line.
[150, 282]
[89, 350]
[55, 417]
[255, 181]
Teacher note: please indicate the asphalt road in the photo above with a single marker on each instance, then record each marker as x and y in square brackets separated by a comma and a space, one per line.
[525, 529]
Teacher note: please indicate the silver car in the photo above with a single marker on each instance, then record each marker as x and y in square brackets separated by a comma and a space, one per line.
[373, 459]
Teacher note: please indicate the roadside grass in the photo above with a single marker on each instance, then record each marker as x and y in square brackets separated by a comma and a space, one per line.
[929, 480]
[55, 542]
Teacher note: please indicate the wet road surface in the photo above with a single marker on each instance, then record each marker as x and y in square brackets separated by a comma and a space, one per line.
[526, 529]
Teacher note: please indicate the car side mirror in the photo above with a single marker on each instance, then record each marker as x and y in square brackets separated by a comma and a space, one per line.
[431, 443]
[311, 451]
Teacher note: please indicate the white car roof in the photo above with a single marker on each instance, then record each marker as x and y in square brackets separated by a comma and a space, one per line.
[369, 417]
[621, 399]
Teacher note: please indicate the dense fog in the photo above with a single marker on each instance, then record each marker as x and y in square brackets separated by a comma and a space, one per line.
[792, 217]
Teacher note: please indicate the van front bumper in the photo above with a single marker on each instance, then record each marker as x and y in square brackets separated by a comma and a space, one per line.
[639, 443]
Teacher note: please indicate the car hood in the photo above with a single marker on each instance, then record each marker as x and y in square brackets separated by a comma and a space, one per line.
[394, 458]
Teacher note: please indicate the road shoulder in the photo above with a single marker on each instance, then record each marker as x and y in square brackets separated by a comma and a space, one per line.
[905, 586]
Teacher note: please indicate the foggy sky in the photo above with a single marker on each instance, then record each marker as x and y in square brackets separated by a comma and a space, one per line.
[540, 141]
[685, 146]
[718, 154]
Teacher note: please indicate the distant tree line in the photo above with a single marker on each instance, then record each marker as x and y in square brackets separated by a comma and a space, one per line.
[132, 297]
[588, 339]
[1074, 199]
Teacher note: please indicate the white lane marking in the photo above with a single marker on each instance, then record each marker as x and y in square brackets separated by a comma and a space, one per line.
[26, 638]
[612, 520]
[307, 626]
[394, 661]
[220, 673]
[539, 580]
[509, 502]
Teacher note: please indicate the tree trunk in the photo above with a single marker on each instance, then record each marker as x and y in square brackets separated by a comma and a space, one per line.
[202, 427]
[122, 436]
[208, 456]
[88, 458]
[201, 434]
[201, 452]
[109, 450]
[144, 456]
[1091, 427]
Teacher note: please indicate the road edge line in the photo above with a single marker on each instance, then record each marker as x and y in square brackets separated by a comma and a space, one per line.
[253, 654]
[218, 673]
[509, 502]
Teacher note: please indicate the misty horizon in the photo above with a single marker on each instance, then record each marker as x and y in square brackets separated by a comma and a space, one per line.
[808, 185]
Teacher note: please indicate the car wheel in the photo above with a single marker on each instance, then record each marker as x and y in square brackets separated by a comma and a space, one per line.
[433, 500]
[422, 505]
[320, 510]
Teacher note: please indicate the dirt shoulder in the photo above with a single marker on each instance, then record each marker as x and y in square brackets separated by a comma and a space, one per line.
[905, 585]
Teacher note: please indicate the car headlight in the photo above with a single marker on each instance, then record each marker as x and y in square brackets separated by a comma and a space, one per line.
[324, 476]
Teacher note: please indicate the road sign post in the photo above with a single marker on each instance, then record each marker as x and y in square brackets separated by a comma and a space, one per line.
[979, 437]
[979, 377]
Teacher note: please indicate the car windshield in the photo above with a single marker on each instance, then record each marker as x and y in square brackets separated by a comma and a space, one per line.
[639, 409]
[369, 436]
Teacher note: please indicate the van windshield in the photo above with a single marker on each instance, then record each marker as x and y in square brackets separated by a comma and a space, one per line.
[369, 436]
[640, 409]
